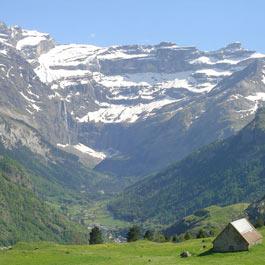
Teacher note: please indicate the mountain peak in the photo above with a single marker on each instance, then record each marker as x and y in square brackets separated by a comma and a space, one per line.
[234, 46]
[166, 44]
[4, 30]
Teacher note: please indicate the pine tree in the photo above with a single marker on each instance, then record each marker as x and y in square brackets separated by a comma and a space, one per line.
[134, 234]
[187, 236]
[259, 222]
[174, 239]
[149, 235]
[201, 234]
[95, 236]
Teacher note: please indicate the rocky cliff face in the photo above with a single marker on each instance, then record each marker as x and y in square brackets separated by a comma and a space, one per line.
[130, 109]
[26, 111]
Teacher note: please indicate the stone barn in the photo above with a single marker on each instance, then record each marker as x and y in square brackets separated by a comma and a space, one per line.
[239, 235]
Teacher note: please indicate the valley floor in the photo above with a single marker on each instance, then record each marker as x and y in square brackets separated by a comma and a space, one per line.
[141, 252]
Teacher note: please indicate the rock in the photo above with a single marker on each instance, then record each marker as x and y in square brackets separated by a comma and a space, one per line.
[185, 254]
[6, 248]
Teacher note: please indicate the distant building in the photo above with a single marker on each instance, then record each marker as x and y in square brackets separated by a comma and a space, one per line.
[239, 235]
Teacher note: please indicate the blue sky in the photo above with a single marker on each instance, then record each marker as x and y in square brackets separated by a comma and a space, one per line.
[207, 24]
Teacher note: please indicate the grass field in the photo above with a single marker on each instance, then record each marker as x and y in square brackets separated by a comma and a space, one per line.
[141, 252]
[94, 213]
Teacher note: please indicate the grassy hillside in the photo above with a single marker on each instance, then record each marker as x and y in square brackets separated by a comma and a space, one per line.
[211, 220]
[138, 253]
[24, 216]
[222, 173]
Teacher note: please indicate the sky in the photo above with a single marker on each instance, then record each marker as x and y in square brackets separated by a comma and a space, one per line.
[206, 24]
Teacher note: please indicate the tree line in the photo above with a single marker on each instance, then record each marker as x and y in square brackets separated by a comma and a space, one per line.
[135, 233]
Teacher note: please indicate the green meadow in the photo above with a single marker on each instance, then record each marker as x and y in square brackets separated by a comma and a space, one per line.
[140, 252]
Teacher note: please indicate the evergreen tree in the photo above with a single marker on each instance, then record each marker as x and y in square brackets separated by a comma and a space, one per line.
[149, 235]
[187, 236]
[201, 234]
[134, 234]
[95, 236]
[167, 238]
[174, 239]
[159, 237]
[259, 222]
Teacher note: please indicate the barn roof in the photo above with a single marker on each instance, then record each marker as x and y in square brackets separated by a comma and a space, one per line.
[246, 230]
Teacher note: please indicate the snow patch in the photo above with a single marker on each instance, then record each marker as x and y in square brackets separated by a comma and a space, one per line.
[29, 41]
[63, 61]
[260, 96]
[155, 81]
[31, 38]
[214, 72]
[111, 113]
[31, 102]
[85, 149]
[211, 61]
[257, 55]
[202, 60]
[120, 55]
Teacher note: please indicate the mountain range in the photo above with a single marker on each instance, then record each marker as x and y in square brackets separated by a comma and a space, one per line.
[170, 128]
[128, 110]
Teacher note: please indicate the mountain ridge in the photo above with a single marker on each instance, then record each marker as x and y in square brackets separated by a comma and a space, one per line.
[110, 100]
[225, 172]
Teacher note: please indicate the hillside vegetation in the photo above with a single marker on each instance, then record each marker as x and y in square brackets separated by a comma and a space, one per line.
[61, 176]
[24, 216]
[210, 220]
[222, 173]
